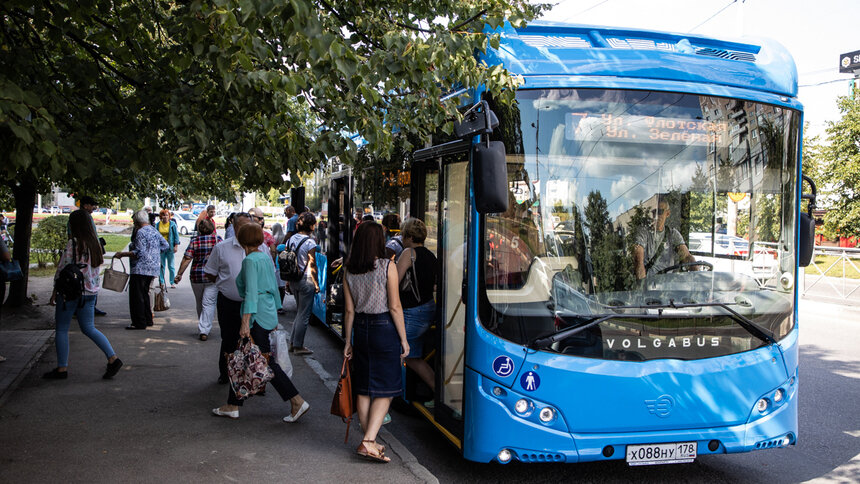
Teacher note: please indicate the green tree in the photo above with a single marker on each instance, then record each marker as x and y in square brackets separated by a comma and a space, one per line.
[173, 99]
[50, 238]
[612, 266]
[840, 170]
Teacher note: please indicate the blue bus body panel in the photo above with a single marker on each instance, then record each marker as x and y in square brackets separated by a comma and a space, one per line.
[608, 403]
[554, 49]
[319, 308]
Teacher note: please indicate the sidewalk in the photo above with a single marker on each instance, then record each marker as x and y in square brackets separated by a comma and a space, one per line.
[152, 422]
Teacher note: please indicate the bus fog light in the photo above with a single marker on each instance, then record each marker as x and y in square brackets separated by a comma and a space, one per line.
[761, 406]
[522, 406]
[504, 456]
[778, 396]
[546, 414]
[786, 440]
[497, 391]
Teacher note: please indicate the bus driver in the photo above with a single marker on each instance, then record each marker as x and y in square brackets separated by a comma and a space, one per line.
[655, 250]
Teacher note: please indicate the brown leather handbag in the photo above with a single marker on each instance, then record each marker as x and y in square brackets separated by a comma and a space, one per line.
[343, 404]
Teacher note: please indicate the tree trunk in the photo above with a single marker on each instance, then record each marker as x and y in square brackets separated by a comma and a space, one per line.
[25, 197]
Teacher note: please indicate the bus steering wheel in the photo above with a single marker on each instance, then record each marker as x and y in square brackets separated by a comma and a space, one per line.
[684, 267]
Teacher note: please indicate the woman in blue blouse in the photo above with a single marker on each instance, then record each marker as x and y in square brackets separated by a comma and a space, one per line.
[259, 291]
[144, 249]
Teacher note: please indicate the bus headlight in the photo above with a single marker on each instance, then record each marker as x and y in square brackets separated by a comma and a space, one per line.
[761, 406]
[522, 406]
[547, 414]
[778, 395]
[504, 456]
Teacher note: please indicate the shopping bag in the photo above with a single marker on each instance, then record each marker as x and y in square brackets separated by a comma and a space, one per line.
[114, 279]
[10, 271]
[281, 350]
[248, 369]
[162, 302]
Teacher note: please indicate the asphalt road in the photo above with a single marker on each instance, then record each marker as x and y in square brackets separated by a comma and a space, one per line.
[829, 436]
[151, 422]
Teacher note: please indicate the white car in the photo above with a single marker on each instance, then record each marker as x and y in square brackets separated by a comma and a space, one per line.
[185, 222]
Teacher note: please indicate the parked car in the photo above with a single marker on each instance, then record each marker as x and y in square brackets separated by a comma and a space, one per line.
[185, 222]
[67, 209]
[106, 211]
[197, 208]
[725, 244]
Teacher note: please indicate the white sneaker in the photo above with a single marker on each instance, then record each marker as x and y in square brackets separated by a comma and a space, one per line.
[221, 413]
[302, 410]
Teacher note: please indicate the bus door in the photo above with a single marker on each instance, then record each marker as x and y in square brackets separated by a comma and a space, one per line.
[339, 237]
[440, 197]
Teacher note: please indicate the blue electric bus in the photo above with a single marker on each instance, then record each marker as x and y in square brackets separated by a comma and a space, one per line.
[617, 251]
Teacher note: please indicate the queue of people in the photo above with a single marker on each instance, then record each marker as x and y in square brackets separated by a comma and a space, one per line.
[237, 278]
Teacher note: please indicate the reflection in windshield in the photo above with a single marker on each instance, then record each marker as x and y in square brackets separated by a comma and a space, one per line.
[637, 198]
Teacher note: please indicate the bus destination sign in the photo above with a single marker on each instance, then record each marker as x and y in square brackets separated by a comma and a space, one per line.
[584, 126]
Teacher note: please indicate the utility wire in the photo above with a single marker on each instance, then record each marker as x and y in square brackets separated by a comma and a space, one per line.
[825, 82]
[714, 15]
[591, 7]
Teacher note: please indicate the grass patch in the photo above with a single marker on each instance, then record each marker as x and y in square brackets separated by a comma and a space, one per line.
[115, 242]
[47, 271]
[824, 261]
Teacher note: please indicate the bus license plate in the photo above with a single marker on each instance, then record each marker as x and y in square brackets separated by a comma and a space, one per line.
[650, 454]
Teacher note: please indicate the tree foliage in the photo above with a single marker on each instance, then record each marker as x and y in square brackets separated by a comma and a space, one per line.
[50, 237]
[172, 99]
[839, 165]
[145, 94]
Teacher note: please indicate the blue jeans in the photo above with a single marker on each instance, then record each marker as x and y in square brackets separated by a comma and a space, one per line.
[417, 321]
[304, 291]
[166, 263]
[63, 315]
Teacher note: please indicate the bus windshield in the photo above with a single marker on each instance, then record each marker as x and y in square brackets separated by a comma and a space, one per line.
[627, 203]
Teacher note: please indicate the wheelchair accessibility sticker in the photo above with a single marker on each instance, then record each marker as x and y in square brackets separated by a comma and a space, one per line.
[530, 381]
[503, 366]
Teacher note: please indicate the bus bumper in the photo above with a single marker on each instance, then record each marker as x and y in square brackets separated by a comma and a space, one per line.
[494, 430]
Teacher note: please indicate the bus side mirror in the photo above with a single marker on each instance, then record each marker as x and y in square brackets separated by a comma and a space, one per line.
[806, 229]
[806, 225]
[491, 177]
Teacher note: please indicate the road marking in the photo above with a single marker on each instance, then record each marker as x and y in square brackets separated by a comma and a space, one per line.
[408, 458]
[855, 433]
[847, 472]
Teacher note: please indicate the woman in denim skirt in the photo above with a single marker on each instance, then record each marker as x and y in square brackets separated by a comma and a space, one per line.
[374, 332]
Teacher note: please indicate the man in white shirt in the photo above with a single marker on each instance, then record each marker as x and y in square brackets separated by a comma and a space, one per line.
[222, 268]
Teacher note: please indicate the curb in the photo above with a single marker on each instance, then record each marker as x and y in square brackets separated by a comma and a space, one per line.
[26, 370]
[408, 458]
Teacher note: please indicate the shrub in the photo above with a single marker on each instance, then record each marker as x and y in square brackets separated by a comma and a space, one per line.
[50, 238]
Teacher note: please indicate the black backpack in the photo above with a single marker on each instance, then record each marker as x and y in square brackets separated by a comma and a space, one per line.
[70, 281]
[288, 262]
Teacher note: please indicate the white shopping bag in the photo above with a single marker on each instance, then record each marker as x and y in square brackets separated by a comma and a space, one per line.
[281, 350]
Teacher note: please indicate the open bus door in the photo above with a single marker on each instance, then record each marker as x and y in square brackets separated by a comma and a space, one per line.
[339, 237]
[440, 197]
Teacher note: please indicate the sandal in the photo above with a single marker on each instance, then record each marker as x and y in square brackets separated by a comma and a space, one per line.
[365, 451]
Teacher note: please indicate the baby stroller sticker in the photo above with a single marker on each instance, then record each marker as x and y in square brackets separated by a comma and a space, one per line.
[530, 381]
[503, 366]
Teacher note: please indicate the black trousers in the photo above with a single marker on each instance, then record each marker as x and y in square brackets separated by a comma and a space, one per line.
[281, 382]
[138, 300]
[229, 320]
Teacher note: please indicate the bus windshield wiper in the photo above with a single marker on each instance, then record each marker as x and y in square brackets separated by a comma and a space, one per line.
[751, 326]
[595, 319]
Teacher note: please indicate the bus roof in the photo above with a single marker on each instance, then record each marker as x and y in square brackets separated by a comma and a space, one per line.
[555, 49]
